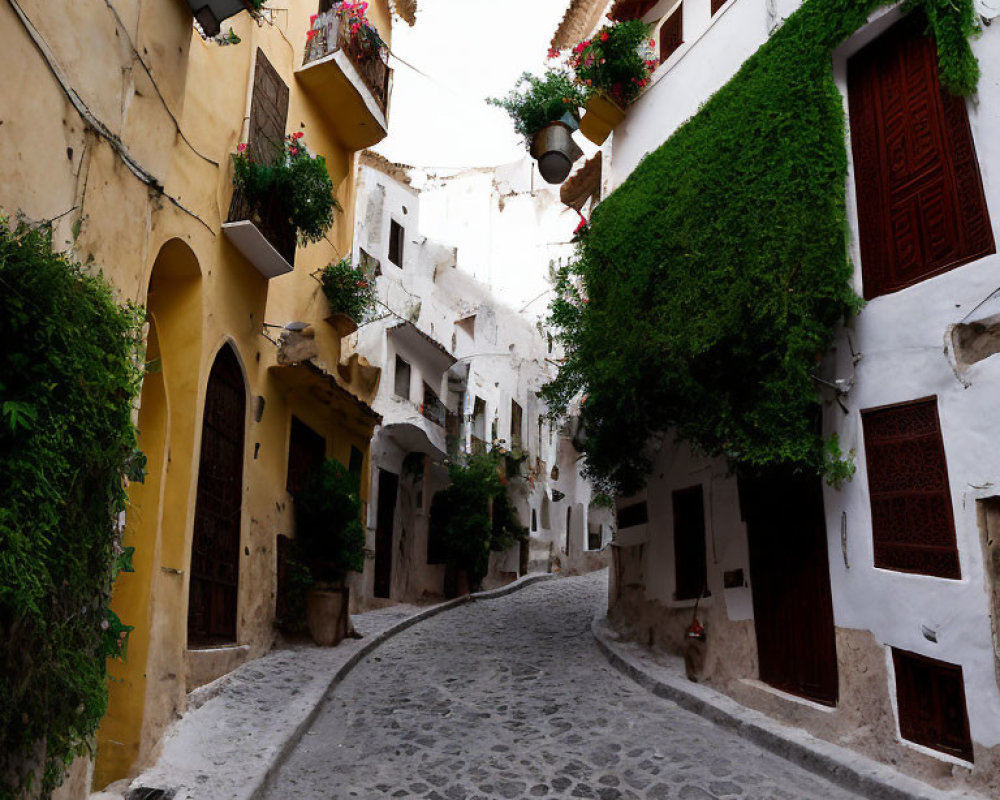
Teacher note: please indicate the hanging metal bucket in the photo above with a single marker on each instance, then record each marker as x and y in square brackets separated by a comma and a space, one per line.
[556, 152]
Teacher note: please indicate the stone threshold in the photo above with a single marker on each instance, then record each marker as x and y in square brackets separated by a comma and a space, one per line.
[240, 729]
[847, 768]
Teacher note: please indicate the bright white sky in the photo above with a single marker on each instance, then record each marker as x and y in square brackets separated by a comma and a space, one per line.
[470, 50]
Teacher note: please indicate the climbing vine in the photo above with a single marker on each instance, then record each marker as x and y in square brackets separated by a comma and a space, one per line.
[707, 286]
[68, 377]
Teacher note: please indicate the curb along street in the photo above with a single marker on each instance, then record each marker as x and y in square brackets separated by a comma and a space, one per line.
[844, 767]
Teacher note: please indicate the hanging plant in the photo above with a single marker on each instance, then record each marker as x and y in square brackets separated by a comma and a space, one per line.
[296, 179]
[617, 62]
[536, 102]
[349, 290]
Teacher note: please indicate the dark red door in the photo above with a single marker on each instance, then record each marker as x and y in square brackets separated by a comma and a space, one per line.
[215, 551]
[388, 486]
[921, 207]
[790, 576]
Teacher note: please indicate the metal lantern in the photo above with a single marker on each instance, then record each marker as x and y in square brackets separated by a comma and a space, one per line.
[556, 152]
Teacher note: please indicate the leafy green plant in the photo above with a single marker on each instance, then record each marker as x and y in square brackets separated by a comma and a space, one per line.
[295, 179]
[507, 528]
[707, 286]
[329, 537]
[616, 62]
[70, 368]
[460, 519]
[349, 290]
[535, 102]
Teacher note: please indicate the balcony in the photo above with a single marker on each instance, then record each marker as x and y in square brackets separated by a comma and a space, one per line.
[263, 235]
[350, 81]
[433, 409]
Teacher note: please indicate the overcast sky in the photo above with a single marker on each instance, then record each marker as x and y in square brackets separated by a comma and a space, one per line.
[469, 50]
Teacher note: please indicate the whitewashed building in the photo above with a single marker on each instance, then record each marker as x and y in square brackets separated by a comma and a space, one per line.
[866, 615]
[460, 372]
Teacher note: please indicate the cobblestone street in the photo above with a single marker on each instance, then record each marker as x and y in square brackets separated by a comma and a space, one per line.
[510, 698]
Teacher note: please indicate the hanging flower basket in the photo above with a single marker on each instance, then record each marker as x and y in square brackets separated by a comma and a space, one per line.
[602, 116]
[350, 293]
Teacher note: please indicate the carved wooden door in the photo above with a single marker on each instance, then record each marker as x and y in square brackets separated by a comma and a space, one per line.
[215, 550]
[790, 576]
[388, 486]
[921, 205]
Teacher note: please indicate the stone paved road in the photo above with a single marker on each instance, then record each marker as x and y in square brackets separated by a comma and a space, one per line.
[510, 698]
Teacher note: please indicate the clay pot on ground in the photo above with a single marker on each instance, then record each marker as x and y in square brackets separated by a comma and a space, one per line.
[602, 116]
[555, 151]
[327, 614]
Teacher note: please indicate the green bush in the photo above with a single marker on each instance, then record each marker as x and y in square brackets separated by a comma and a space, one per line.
[707, 286]
[535, 102]
[68, 377]
[329, 537]
[295, 179]
[348, 290]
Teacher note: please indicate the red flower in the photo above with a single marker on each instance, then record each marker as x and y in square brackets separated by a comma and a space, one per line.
[298, 135]
[604, 36]
[553, 52]
[241, 148]
[293, 150]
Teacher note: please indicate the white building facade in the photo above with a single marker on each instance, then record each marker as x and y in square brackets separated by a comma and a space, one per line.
[866, 615]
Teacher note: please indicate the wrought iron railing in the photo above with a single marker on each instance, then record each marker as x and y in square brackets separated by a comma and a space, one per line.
[434, 410]
[370, 58]
[271, 219]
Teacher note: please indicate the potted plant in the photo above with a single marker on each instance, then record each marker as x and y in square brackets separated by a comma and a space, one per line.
[545, 112]
[330, 541]
[350, 293]
[292, 180]
[613, 68]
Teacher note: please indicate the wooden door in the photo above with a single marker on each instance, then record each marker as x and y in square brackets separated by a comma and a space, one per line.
[790, 576]
[215, 550]
[921, 207]
[388, 487]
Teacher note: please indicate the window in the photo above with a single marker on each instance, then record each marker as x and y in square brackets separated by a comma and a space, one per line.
[356, 464]
[921, 207]
[516, 415]
[401, 386]
[931, 699]
[912, 522]
[534, 520]
[716, 5]
[595, 538]
[306, 451]
[396, 234]
[479, 425]
[672, 33]
[432, 407]
[689, 544]
[631, 516]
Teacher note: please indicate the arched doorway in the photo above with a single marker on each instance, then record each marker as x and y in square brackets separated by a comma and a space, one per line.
[215, 549]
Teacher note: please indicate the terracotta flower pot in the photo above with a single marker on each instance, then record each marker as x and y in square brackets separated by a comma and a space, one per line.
[327, 615]
[556, 152]
[603, 115]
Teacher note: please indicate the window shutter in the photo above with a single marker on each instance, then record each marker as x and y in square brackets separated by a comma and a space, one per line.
[921, 206]
[672, 33]
[912, 523]
[268, 112]
[689, 543]
[716, 5]
[631, 9]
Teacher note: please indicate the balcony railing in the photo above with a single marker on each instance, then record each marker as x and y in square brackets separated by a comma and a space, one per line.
[269, 220]
[369, 59]
[434, 410]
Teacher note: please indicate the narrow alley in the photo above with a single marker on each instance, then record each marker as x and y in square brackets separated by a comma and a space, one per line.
[510, 698]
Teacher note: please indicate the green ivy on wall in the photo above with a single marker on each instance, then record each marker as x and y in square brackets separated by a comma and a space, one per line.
[707, 286]
[68, 377]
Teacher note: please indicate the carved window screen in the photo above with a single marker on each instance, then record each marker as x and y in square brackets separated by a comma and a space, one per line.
[921, 207]
[912, 522]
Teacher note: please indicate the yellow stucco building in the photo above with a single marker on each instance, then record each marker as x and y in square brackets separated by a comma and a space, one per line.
[117, 122]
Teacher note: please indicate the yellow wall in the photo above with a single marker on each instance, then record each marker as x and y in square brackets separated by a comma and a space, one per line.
[178, 124]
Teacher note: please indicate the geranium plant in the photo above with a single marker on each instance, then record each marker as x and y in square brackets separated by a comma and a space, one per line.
[362, 34]
[616, 62]
[535, 102]
[348, 289]
[296, 179]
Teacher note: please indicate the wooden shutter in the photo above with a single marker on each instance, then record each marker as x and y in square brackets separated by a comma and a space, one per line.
[931, 699]
[921, 206]
[306, 451]
[672, 33]
[689, 543]
[631, 9]
[716, 5]
[912, 523]
[268, 112]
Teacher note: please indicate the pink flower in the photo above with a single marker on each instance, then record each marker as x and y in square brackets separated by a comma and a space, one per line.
[241, 148]
[293, 150]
